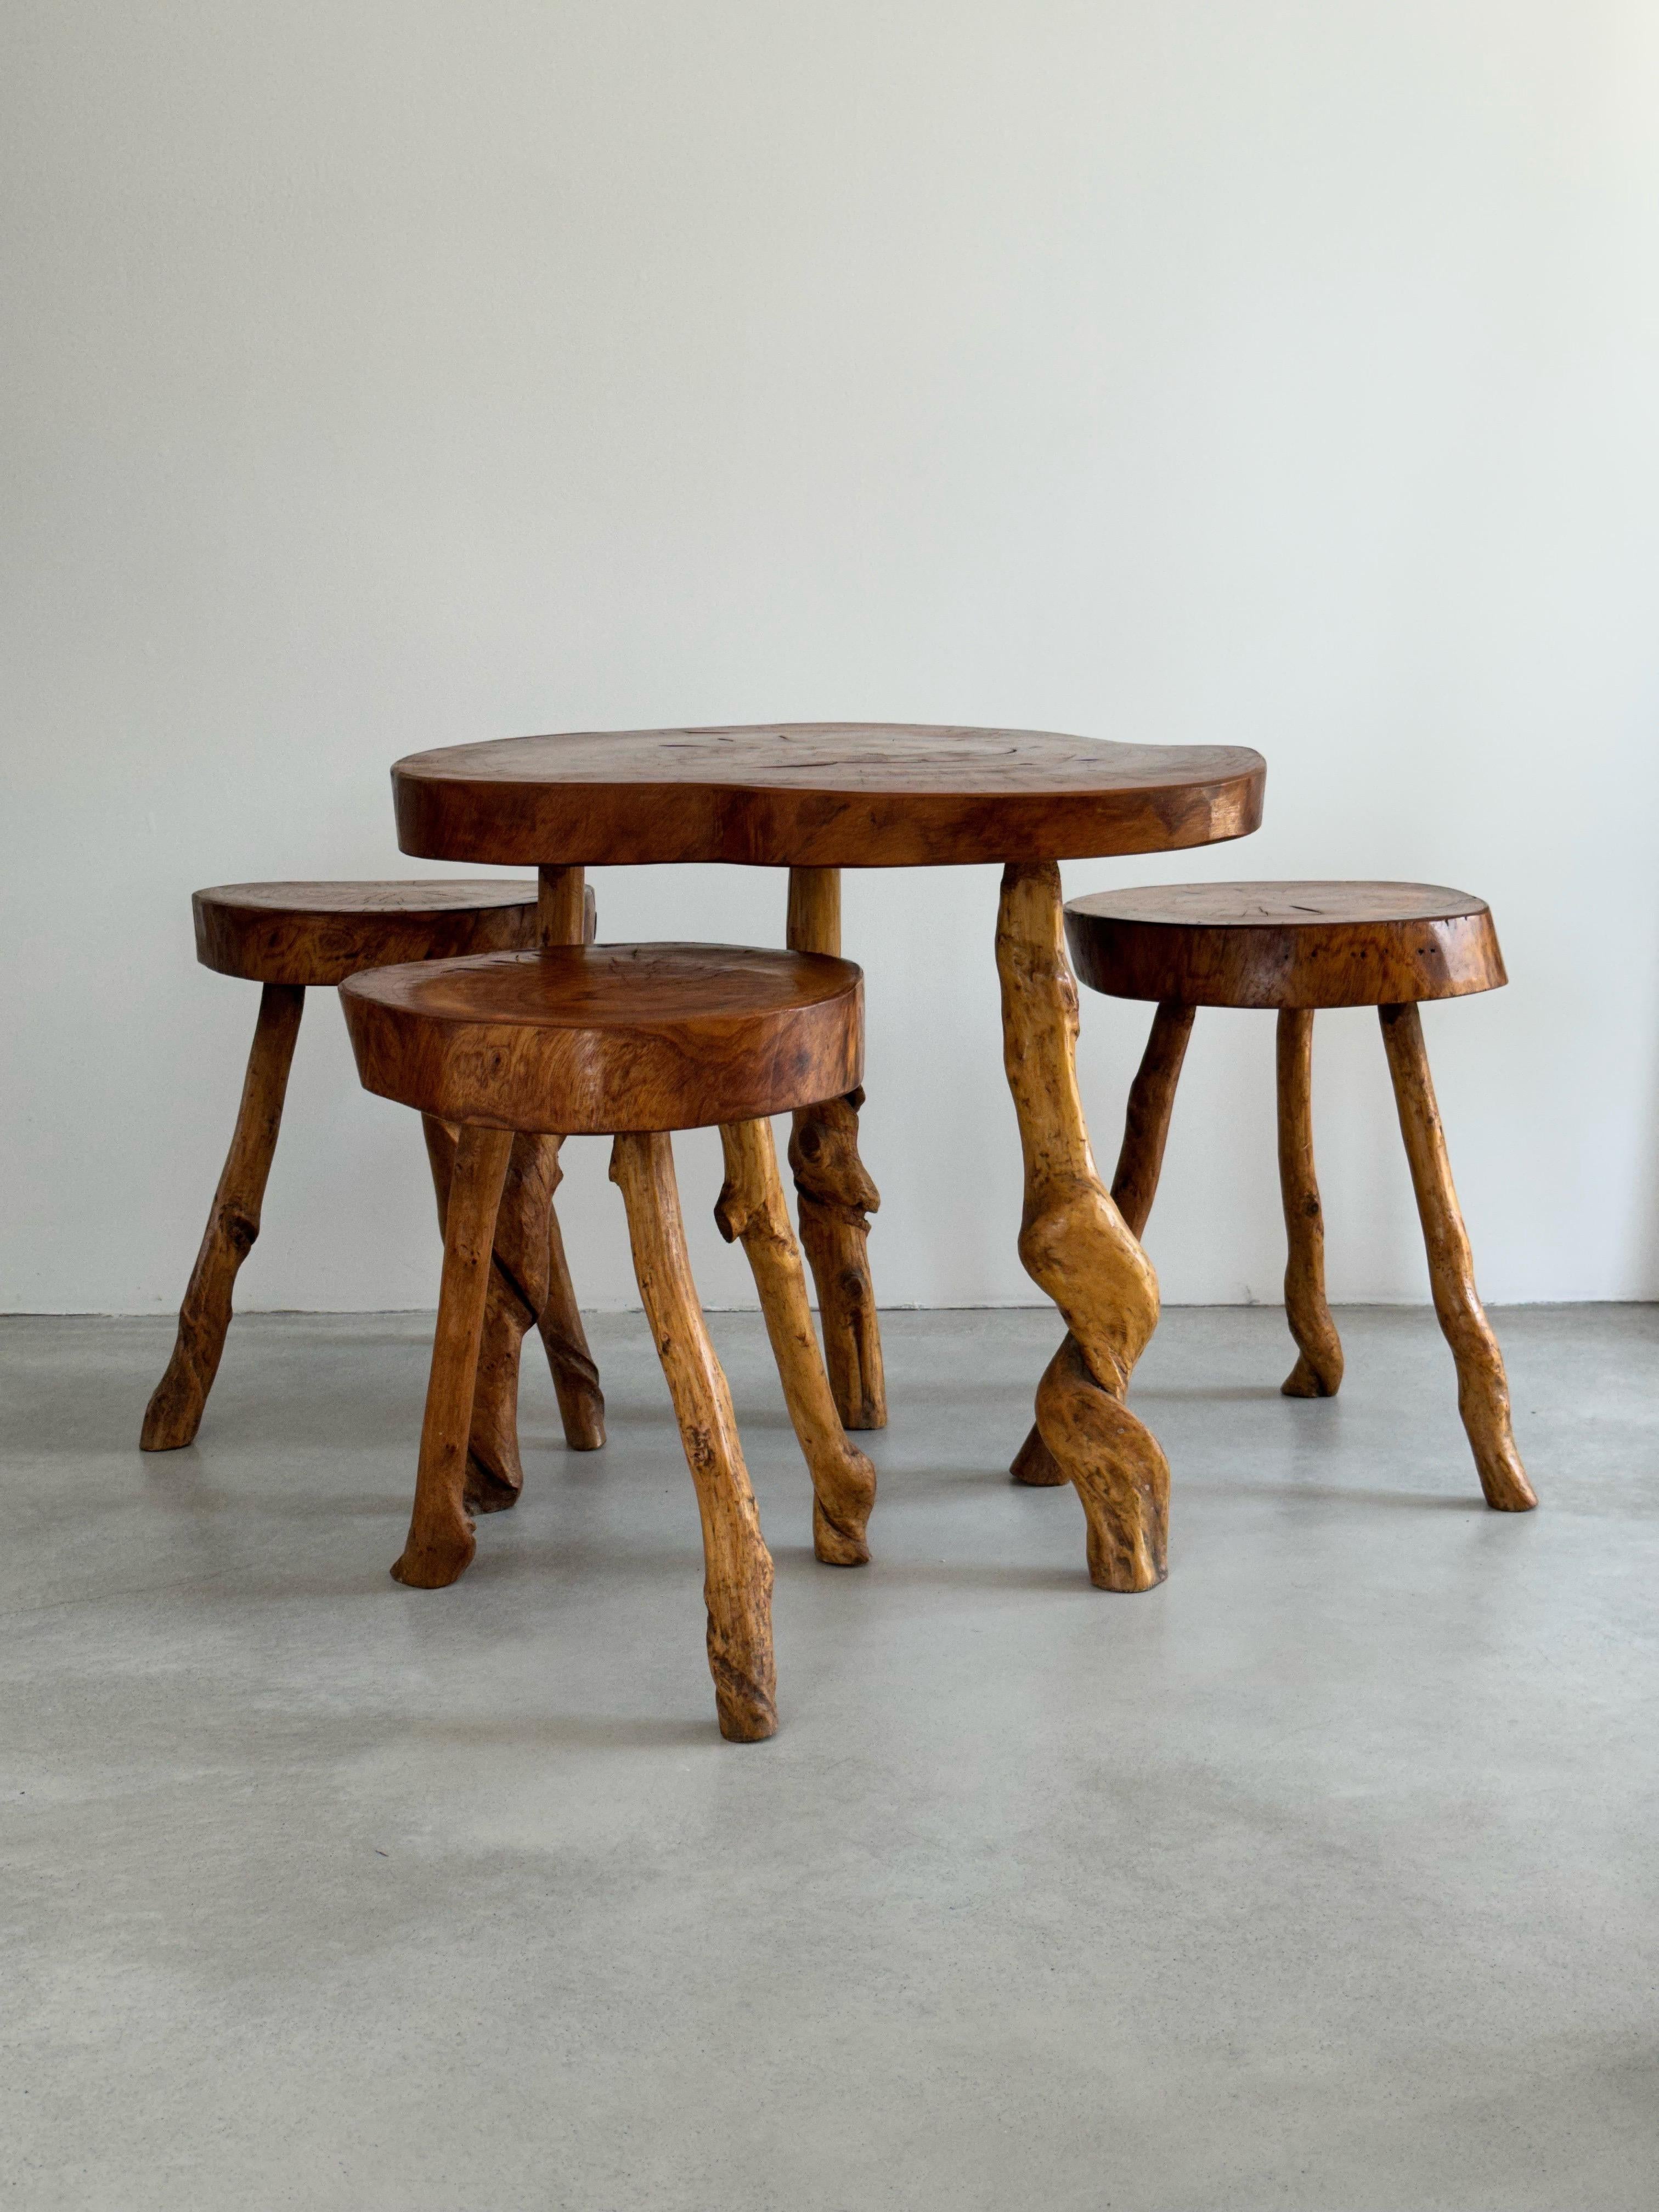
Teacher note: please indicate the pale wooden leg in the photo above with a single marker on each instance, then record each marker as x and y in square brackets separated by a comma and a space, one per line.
[752, 1206]
[1318, 1369]
[440, 1546]
[1139, 1163]
[174, 1412]
[1483, 1390]
[1075, 1244]
[835, 1194]
[737, 1567]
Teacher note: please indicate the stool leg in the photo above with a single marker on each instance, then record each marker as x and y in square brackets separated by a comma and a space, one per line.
[835, 1194]
[737, 1567]
[1134, 1186]
[752, 1206]
[174, 1412]
[1483, 1390]
[1075, 1244]
[440, 1546]
[1318, 1369]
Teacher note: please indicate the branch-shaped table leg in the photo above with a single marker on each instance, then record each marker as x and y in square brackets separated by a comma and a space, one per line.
[440, 1546]
[835, 1194]
[737, 1567]
[1483, 1390]
[1318, 1369]
[175, 1408]
[1134, 1186]
[752, 1206]
[1075, 1244]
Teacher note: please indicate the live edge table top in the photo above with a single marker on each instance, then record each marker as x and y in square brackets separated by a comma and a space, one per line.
[819, 794]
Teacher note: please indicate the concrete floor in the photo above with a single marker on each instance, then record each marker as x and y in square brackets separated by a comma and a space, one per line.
[1325, 1877]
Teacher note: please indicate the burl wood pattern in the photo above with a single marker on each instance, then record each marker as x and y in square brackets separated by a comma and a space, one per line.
[588, 1039]
[1134, 1186]
[737, 1567]
[1318, 1369]
[174, 1412]
[319, 933]
[835, 1194]
[1075, 1244]
[1483, 1390]
[829, 795]
[752, 1206]
[441, 1542]
[1285, 943]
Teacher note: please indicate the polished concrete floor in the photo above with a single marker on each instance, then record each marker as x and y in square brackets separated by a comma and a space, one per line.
[1325, 1877]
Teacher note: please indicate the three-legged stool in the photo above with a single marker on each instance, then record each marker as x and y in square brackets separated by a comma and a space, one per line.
[632, 1041]
[1296, 947]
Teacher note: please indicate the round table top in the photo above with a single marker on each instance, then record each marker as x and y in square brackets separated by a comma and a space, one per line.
[819, 794]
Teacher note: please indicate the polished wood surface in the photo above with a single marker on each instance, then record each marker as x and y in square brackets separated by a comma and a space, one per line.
[828, 794]
[1483, 1390]
[1318, 1369]
[1076, 1245]
[834, 1193]
[592, 1039]
[319, 934]
[737, 1566]
[176, 1405]
[751, 1207]
[1285, 943]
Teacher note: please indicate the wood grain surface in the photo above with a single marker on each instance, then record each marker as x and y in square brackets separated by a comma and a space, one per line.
[319, 934]
[835, 1194]
[592, 1039]
[830, 794]
[1318, 1369]
[1285, 943]
[751, 1207]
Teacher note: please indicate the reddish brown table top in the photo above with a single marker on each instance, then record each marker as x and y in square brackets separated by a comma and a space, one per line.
[819, 794]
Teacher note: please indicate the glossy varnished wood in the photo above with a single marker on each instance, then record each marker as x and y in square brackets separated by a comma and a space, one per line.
[1285, 943]
[176, 1405]
[834, 1193]
[592, 1039]
[830, 794]
[319, 934]
[1318, 1369]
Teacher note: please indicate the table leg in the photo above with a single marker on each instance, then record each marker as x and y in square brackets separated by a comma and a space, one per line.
[1075, 1244]
[834, 1195]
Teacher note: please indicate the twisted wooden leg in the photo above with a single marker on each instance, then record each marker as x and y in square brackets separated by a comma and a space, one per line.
[752, 1206]
[1139, 1163]
[440, 1545]
[174, 1412]
[1075, 1244]
[737, 1567]
[1483, 1390]
[1318, 1369]
[835, 1194]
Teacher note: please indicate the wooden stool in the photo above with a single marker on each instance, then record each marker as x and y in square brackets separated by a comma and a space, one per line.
[291, 938]
[1297, 947]
[631, 1042]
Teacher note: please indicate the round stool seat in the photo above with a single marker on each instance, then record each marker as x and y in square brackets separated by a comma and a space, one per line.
[321, 933]
[596, 1040]
[1298, 944]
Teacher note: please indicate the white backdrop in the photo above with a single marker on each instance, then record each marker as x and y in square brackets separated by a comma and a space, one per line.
[381, 375]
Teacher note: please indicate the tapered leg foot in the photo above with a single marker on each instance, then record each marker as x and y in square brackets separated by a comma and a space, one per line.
[1318, 1369]
[834, 1195]
[1075, 1244]
[1134, 1186]
[737, 1567]
[176, 1405]
[752, 1206]
[440, 1543]
[1483, 1390]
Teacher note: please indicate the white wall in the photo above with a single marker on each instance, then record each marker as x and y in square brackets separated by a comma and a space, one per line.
[381, 376]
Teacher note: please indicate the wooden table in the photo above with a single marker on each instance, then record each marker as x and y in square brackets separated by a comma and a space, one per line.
[816, 797]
